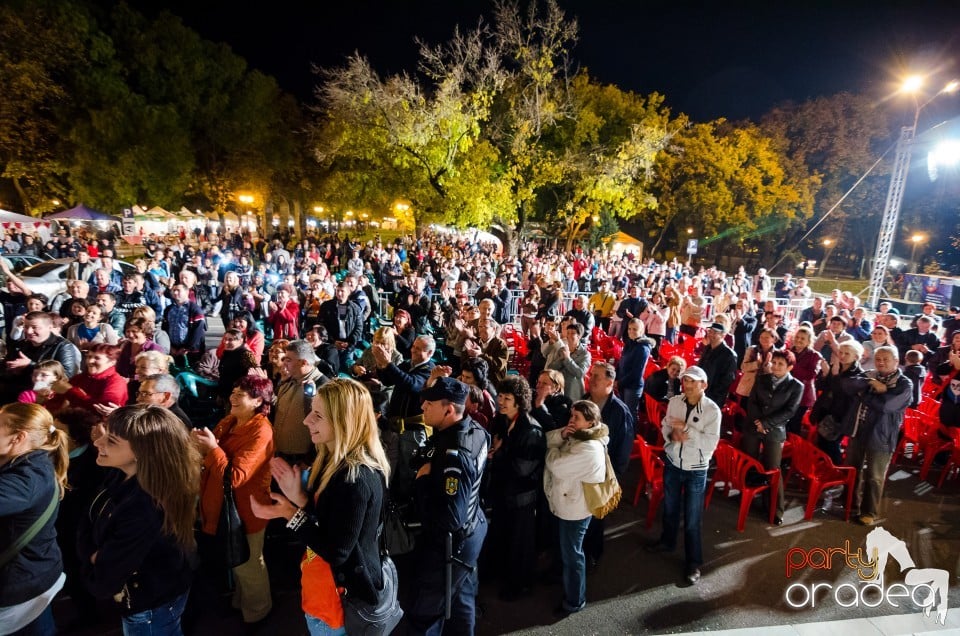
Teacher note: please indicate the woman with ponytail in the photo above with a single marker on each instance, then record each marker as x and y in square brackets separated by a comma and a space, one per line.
[136, 544]
[33, 477]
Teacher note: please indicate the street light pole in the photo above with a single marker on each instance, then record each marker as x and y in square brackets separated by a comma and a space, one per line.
[898, 181]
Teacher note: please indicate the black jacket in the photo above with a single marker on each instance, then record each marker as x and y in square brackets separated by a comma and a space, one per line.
[516, 470]
[720, 365]
[407, 384]
[353, 322]
[773, 406]
[880, 428]
[621, 424]
[342, 529]
[134, 558]
[27, 485]
[658, 382]
[554, 413]
[53, 348]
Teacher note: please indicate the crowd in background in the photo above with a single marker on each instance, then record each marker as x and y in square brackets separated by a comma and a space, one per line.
[545, 356]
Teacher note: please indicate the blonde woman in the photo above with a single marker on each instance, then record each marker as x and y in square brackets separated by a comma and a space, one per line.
[349, 474]
[136, 543]
[33, 478]
[365, 368]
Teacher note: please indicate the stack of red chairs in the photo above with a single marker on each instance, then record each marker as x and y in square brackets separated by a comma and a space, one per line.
[927, 438]
[604, 347]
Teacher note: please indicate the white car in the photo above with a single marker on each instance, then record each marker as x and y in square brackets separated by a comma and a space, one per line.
[50, 277]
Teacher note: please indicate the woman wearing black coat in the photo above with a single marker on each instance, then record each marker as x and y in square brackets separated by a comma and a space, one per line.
[774, 399]
[516, 475]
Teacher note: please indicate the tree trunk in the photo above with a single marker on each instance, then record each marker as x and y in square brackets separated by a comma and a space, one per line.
[24, 197]
[663, 232]
[298, 220]
[823, 263]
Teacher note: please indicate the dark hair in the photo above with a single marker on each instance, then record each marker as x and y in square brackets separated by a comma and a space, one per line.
[252, 326]
[577, 327]
[79, 423]
[480, 370]
[771, 332]
[518, 387]
[39, 297]
[257, 387]
[786, 354]
[109, 350]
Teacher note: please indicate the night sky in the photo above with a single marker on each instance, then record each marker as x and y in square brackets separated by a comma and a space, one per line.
[710, 59]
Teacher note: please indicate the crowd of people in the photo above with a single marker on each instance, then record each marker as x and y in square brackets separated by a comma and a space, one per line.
[435, 377]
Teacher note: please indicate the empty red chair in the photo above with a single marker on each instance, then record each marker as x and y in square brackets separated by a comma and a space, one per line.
[927, 437]
[813, 465]
[954, 462]
[651, 477]
[651, 368]
[732, 468]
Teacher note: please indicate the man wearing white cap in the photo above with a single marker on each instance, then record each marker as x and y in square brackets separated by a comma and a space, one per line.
[691, 432]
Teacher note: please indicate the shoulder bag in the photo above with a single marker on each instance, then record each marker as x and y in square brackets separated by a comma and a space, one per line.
[604, 497]
[231, 535]
[375, 619]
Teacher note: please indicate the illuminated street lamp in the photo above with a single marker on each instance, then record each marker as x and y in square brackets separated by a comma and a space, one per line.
[245, 198]
[916, 239]
[689, 230]
[827, 242]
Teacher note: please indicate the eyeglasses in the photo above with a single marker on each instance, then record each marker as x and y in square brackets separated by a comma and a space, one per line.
[141, 394]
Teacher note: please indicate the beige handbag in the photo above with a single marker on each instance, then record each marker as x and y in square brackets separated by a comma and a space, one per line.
[604, 497]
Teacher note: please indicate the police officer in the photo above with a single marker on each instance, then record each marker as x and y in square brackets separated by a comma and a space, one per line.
[448, 494]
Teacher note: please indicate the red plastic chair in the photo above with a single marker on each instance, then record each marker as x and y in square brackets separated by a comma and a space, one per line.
[732, 468]
[655, 410]
[929, 407]
[813, 465]
[651, 476]
[953, 464]
[927, 437]
[651, 368]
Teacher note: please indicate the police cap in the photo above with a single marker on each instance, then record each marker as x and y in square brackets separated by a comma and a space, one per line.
[446, 389]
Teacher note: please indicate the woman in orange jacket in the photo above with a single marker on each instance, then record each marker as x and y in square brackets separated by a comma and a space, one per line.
[244, 440]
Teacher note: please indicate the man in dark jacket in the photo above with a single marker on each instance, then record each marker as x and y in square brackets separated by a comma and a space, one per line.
[404, 413]
[343, 321]
[720, 364]
[773, 401]
[875, 417]
[620, 422]
[186, 325]
[921, 338]
[630, 307]
[39, 344]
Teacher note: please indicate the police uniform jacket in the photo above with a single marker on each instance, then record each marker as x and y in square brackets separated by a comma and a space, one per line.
[449, 496]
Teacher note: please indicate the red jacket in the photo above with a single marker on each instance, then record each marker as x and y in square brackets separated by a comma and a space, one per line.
[286, 321]
[102, 388]
[249, 447]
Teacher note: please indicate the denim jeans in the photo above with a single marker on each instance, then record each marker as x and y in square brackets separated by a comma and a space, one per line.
[159, 621]
[317, 627]
[42, 625]
[686, 489]
[574, 563]
[633, 399]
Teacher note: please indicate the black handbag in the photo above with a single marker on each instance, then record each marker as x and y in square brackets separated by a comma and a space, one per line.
[231, 535]
[397, 536]
[380, 618]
